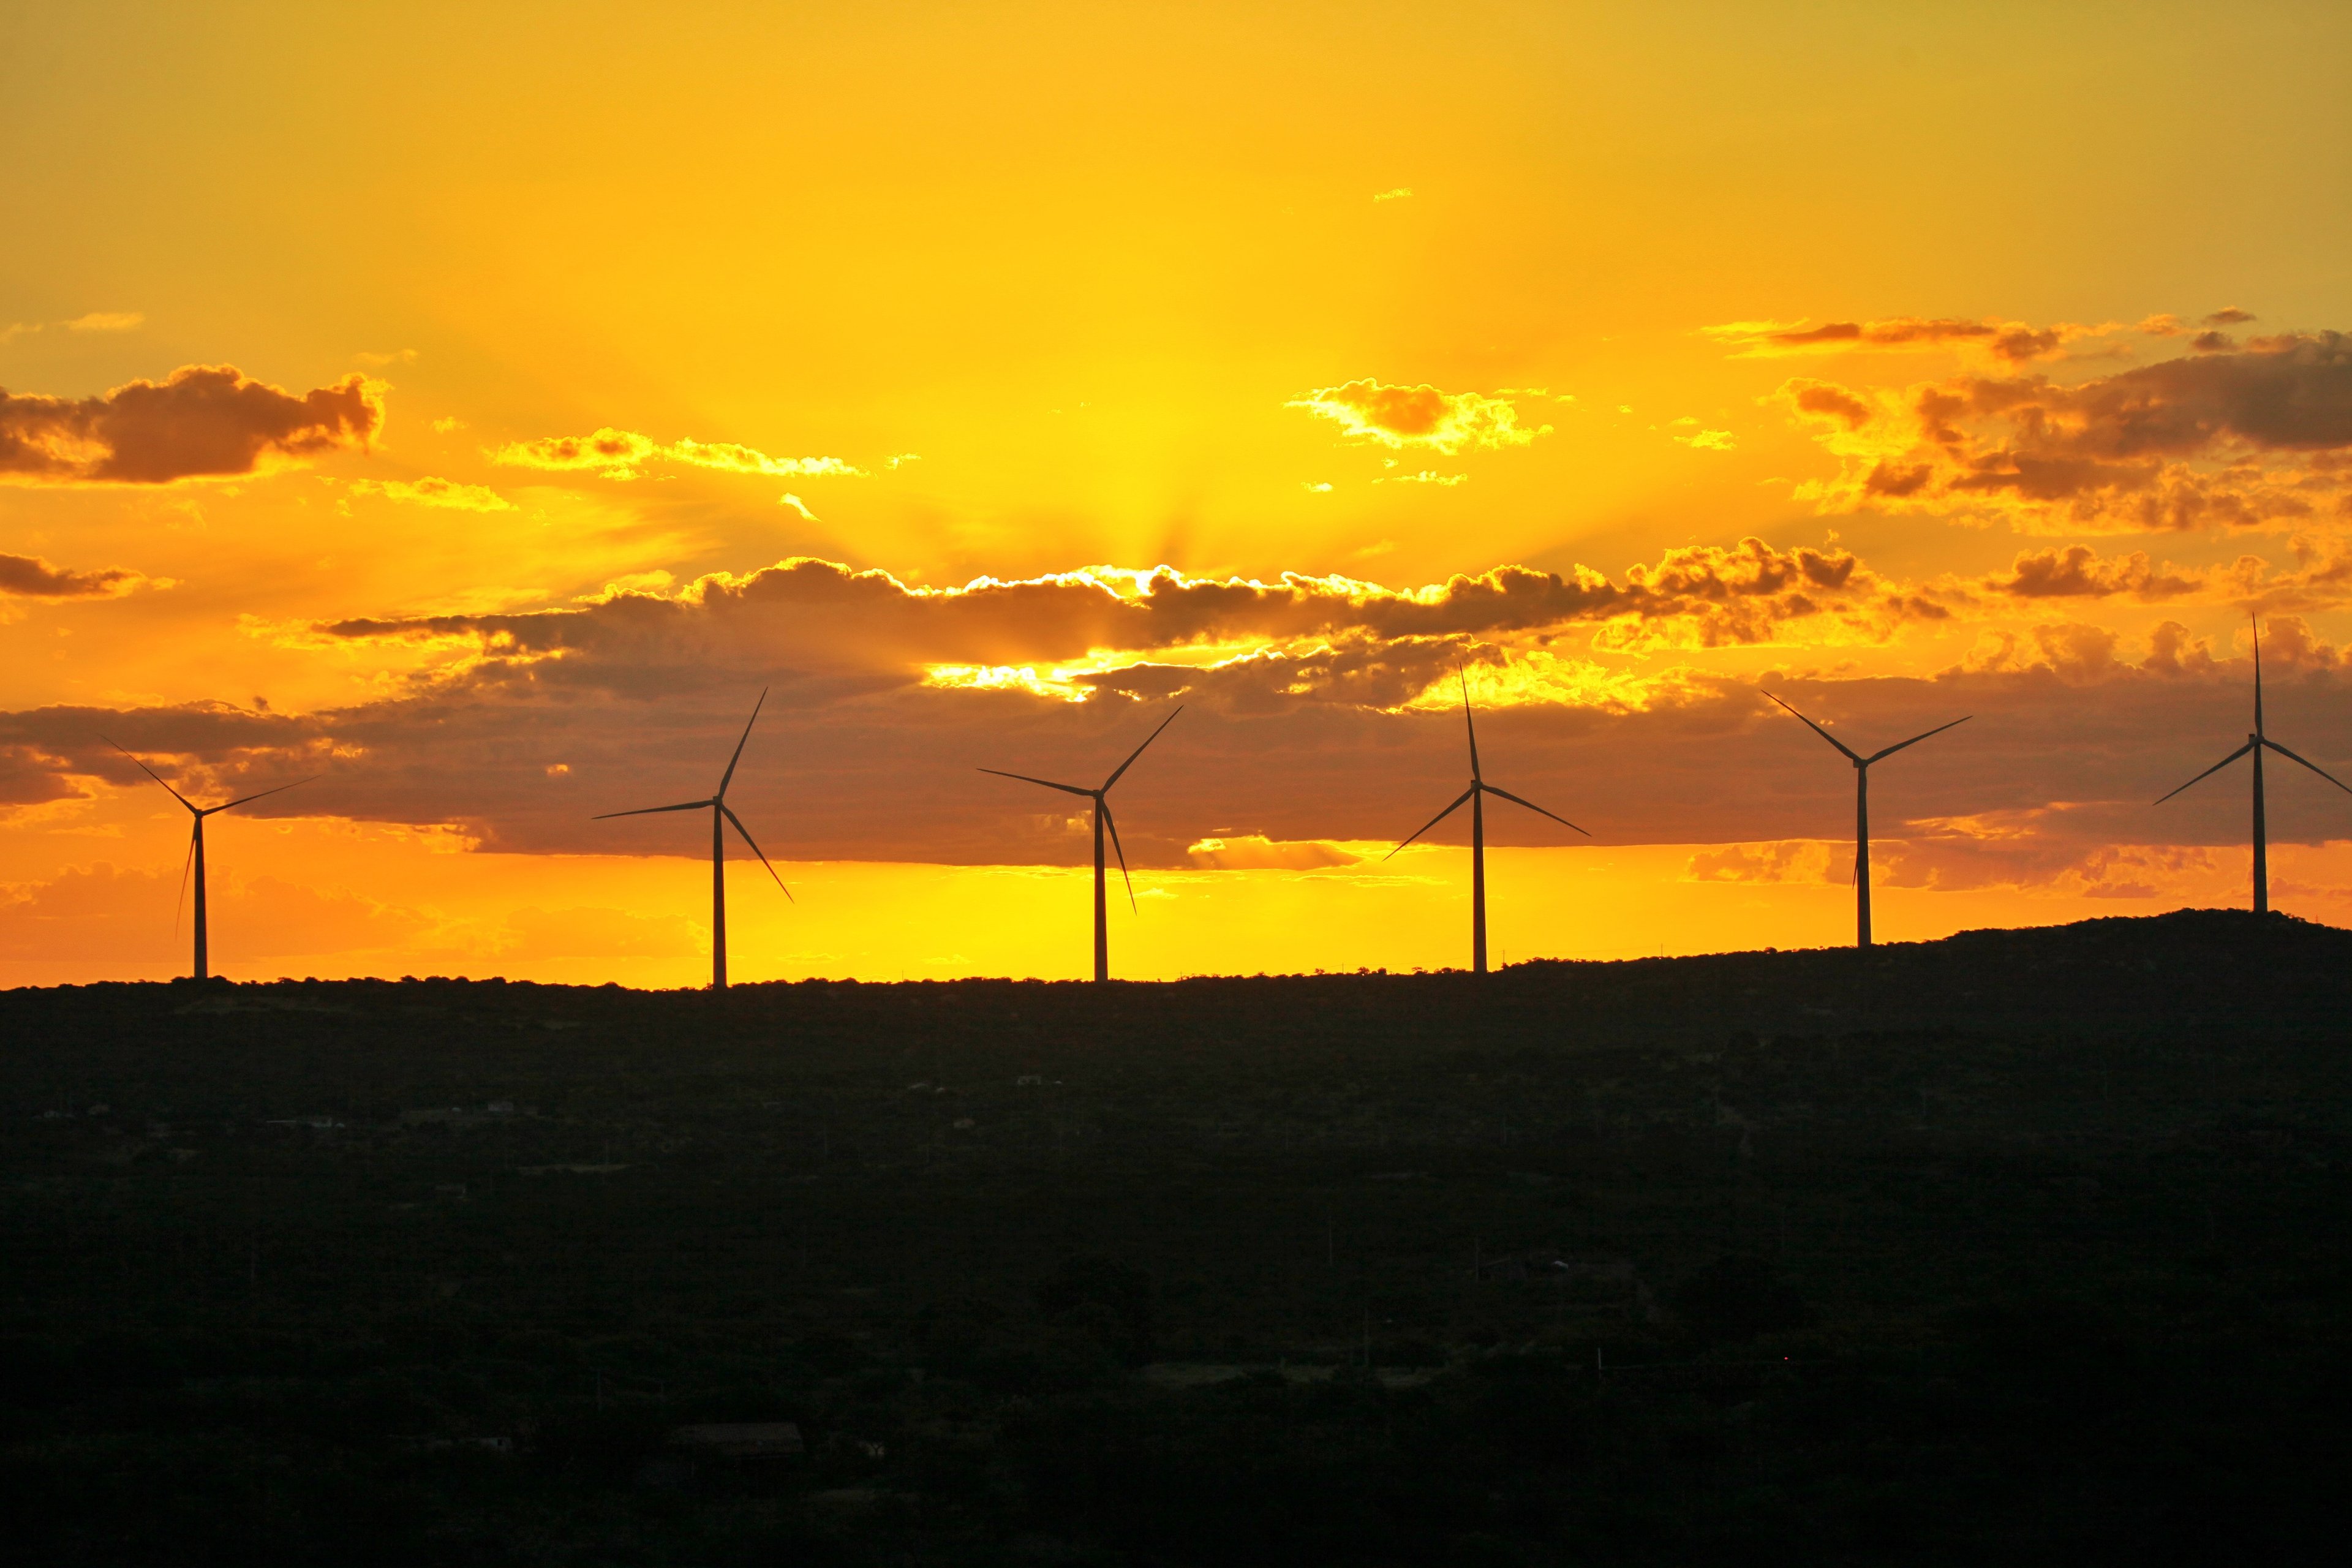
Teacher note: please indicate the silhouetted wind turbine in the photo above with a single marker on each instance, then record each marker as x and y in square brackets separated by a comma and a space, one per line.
[195, 860]
[2256, 743]
[1862, 812]
[1101, 797]
[1476, 794]
[722, 814]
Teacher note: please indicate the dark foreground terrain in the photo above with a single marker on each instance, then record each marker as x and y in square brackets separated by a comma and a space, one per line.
[2022, 1246]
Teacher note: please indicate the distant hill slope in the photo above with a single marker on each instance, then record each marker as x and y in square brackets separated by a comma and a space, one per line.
[2189, 971]
[2226, 970]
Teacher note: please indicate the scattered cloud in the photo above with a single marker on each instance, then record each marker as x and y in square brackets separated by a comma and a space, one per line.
[624, 455]
[2015, 343]
[2229, 316]
[30, 577]
[1704, 440]
[1400, 193]
[798, 505]
[2234, 439]
[378, 361]
[203, 422]
[430, 491]
[1425, 477]
[1419, 416]
[447, 424]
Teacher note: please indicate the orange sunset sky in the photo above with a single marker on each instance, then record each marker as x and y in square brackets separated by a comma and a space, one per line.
[476, 407]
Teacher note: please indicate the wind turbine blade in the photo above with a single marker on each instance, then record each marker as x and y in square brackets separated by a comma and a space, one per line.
[650, 810]
[1817, 730]
[152, 774]
[1467, 720]
[1915, 740]
[241, 800]
[1112, 823]
[2216, 768]
[186, 866]
[1139, 751]
[729, 776]
[1531, 805]
[1432, 822]
[2258, 673]
[745, 834]
[1049, 783]
[2314, 767]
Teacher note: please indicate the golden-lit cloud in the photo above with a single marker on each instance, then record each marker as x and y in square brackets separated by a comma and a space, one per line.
[202, 422]
[1419, 416]
[2251, 438]
[429, 492]
[30, 577]
[613, 454]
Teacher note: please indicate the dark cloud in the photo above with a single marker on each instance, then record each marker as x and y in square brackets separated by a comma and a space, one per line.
[2229, 316]
[30, 577]
[204, 421]
[2079, 571]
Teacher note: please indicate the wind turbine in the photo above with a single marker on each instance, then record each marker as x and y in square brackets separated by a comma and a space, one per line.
[722, 814]
[1476, 795]
[2256, 743]
[1862, 812]
[195, 860]
[1101, 797]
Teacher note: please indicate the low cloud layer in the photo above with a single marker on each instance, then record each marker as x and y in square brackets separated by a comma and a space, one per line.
[819, 615]
[1318, 717]
[203, 422]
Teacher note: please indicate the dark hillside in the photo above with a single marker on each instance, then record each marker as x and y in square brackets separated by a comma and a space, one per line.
[2026, 1244]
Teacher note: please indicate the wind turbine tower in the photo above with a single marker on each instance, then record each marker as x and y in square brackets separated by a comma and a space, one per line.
[194, 864]
[2256, 744]
[722, 815]
[1862, 812]
[1101, 797]
[1476, 797]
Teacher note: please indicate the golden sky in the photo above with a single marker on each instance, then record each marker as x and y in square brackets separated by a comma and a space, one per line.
[477, 407]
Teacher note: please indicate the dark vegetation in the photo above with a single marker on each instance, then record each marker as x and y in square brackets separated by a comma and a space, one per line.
[2022, 1246]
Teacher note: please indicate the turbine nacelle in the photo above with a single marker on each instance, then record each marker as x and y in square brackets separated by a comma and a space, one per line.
[1470, 796]
[1103, 819]
[1862, 807]
[2257, 743]
[722, 818]
[192, 866]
